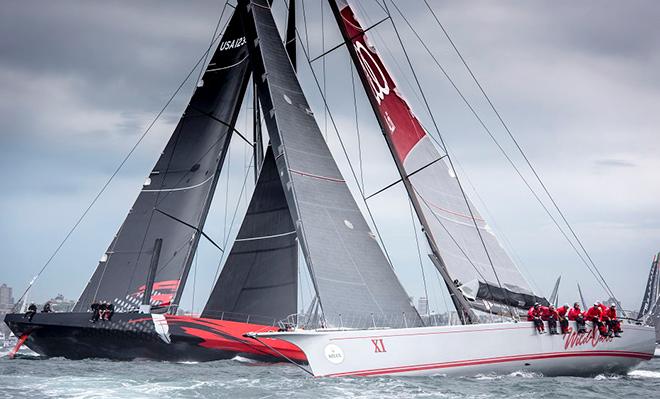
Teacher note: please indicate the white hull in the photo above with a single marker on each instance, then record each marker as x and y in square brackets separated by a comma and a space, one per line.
[469, 350]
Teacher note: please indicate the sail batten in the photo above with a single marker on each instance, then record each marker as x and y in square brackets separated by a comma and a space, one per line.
[176, 196]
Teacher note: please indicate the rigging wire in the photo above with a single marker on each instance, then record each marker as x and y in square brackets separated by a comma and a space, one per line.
[357, 125]
[233, 219]
[343, 147]
[476, 226]
[527, 161]
[595, 271]
[419, 256]
[121, 164]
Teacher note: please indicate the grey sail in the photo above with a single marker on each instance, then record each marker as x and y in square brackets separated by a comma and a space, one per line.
[652, 291]
[464, 249]
[260, 276]
[355, 284]
[174, 201]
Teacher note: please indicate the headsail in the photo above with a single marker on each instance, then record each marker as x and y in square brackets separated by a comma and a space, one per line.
[260, 275]
[355, 284]
[175, 198]
[433, 188]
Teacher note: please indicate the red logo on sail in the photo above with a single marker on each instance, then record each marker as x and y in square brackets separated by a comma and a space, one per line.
[393, 109]
[162, 294]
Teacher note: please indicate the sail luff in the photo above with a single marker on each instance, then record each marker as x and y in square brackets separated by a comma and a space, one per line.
[462, 307]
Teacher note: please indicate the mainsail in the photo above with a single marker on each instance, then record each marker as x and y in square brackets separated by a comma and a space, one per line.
[449, 219]
[176, 196]
[355, 285]
[260, 276]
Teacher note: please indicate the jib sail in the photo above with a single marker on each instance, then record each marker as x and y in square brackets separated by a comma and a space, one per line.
[260, 276]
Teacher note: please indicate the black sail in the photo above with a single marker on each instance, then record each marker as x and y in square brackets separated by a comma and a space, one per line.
[175, 198]
[260, 276]
[354, 282]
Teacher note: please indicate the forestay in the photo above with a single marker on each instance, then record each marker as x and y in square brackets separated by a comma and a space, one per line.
[434, 189]
[354, 282]
[175, 198]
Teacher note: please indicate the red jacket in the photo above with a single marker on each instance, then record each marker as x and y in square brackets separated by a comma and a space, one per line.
[532, 313]
[594, 312]
[547, 313]
[562, 310]
[603, 308]
[574, 313]
[611, 313]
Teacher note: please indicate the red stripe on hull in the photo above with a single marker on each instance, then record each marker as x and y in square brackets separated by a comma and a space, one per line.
[493, 360]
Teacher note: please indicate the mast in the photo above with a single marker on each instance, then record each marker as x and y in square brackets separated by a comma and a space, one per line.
[462, 306]
[256, 132]
[290, 43]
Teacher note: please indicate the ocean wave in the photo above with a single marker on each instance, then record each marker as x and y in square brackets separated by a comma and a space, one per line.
[644, 374]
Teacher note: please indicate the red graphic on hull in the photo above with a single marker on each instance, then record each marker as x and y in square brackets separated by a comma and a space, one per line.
[229, 336]
[379, 346]
[572, 339]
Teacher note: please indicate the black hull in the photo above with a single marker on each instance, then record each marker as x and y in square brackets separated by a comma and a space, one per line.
[130, 336]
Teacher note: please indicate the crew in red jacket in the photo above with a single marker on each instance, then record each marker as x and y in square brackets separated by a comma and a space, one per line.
[562, 312]
[550, 314]
[576, 315]
[595, 314]
[534, 314]
[613, 324]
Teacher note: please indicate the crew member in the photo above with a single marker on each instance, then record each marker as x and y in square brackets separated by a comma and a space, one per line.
[551, 315]
[103, 308]
[576, 314]
[562, 312]
[613, 324]
[46, 308]
[534, 314]
[595, 314]
[95, 312]
[109, 311]
[31, 311]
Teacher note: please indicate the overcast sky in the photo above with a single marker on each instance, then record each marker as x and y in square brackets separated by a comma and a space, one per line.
[577, 83]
